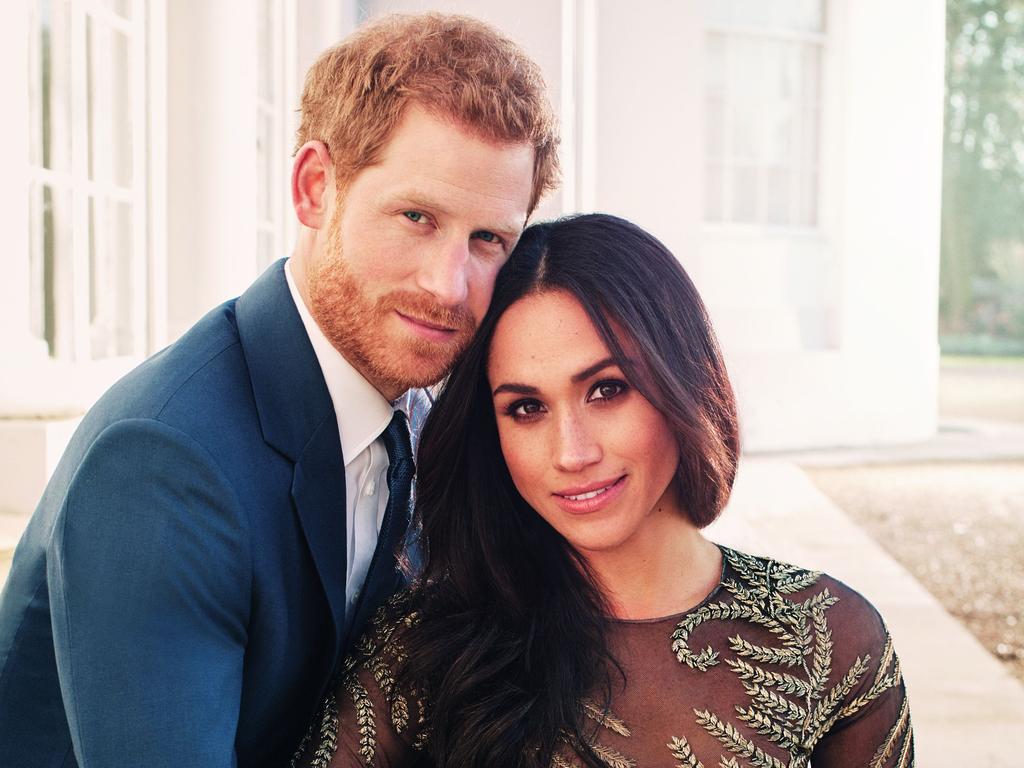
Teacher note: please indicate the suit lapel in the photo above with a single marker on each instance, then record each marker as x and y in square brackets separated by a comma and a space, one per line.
[318, 490]
[298, 419]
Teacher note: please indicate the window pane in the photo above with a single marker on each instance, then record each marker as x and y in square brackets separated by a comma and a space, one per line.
[802, 15]
[810, 125]
[749, 84]
[787, 70]
[714, 175]
[777, 196]
[715, 127]
[762, 113]
[120, 7]
[110, 104]
[790, 15]
[807, 215]
[811, 72]
[744, 195]
[779, 128]
[50, 267]
[266, 50]
[264, 159]
[714, 65]
[110, 279]
[49, 85]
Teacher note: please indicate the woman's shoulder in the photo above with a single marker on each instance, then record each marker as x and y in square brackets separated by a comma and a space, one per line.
[784, 581]
[829, 638]
[777, 589]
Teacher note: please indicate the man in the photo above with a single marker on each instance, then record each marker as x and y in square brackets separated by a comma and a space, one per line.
[208, 547]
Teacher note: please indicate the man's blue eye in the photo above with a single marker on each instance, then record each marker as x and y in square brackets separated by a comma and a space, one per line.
[414, 216]
[487, 237]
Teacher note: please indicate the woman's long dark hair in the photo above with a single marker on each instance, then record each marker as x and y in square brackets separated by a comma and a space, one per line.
[511, 636]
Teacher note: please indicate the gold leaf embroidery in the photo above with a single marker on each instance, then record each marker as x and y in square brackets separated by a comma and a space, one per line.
[680, 749]
[793, 709]
[605, 718]
[611, 758]
[900, 728]
[365, 722]
[736, 742]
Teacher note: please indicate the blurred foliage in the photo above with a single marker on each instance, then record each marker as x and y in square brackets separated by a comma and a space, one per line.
[982, 276]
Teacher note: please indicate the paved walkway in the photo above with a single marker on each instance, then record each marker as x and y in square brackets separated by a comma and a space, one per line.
[967, 710]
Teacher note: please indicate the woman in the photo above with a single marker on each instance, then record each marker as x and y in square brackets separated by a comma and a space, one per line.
[570, 612]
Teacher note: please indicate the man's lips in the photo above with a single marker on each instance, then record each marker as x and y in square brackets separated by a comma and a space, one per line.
[426, 328]
[591, 497]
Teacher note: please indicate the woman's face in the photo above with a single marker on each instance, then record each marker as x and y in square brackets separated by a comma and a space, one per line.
[584, 448]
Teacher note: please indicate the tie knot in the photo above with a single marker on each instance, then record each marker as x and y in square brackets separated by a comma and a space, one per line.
[396, 440]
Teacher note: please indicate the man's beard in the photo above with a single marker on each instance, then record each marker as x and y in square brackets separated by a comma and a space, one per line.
[357, 326]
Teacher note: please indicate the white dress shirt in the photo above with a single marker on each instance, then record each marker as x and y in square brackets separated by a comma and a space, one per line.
[363, 414]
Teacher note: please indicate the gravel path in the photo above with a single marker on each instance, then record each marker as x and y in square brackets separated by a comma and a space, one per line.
[958, 528]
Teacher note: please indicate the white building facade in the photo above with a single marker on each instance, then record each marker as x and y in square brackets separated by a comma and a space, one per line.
[787, 152]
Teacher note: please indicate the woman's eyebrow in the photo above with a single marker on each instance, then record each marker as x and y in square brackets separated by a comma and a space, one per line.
[517, 389]
[576, 378]
[589, 371]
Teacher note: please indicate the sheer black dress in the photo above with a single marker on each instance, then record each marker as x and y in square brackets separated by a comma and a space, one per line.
[778, 667]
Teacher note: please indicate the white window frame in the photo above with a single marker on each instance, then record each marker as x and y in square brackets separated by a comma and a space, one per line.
[82, 189]
[728, 164]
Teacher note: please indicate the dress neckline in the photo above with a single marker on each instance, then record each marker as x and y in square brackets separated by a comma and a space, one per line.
[677, 617]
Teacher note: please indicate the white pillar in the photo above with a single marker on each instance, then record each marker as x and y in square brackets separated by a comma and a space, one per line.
[211, 155]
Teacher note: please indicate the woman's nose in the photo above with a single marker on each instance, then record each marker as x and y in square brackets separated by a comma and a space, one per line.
[577, 447]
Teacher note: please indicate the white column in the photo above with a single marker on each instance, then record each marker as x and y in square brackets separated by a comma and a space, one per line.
[892, 181]
[211, 155]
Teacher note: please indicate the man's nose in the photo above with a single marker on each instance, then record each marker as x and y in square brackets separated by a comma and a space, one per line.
[576, 446]
[444, 272]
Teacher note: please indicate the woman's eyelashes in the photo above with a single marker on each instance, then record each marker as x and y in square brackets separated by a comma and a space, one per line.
[608, 389]
[529, 409]
[524, 410]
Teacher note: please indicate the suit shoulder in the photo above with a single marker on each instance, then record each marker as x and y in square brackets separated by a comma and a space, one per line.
[147, 390]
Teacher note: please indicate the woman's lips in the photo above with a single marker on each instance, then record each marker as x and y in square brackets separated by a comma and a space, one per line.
[590, 498]
[426, 329]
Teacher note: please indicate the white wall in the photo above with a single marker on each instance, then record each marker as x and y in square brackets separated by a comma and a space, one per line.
[211, 153]
[879, 382]
[830, 335]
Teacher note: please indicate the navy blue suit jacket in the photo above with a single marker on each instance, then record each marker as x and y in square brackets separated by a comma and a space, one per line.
[178, 598]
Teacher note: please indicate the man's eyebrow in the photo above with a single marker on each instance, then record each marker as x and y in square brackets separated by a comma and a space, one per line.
[417, 200]
[586, 373]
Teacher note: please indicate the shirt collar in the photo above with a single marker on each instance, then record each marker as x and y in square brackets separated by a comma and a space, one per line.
[363, 413]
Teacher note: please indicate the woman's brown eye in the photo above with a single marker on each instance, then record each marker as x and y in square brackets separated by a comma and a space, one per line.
[607, 390]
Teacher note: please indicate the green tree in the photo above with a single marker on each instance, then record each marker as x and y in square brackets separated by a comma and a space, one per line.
[983, 172]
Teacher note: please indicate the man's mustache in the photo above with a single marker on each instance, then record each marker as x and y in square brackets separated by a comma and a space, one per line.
[421, 307]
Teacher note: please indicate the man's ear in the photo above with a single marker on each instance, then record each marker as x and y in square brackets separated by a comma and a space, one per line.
[312, 177]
